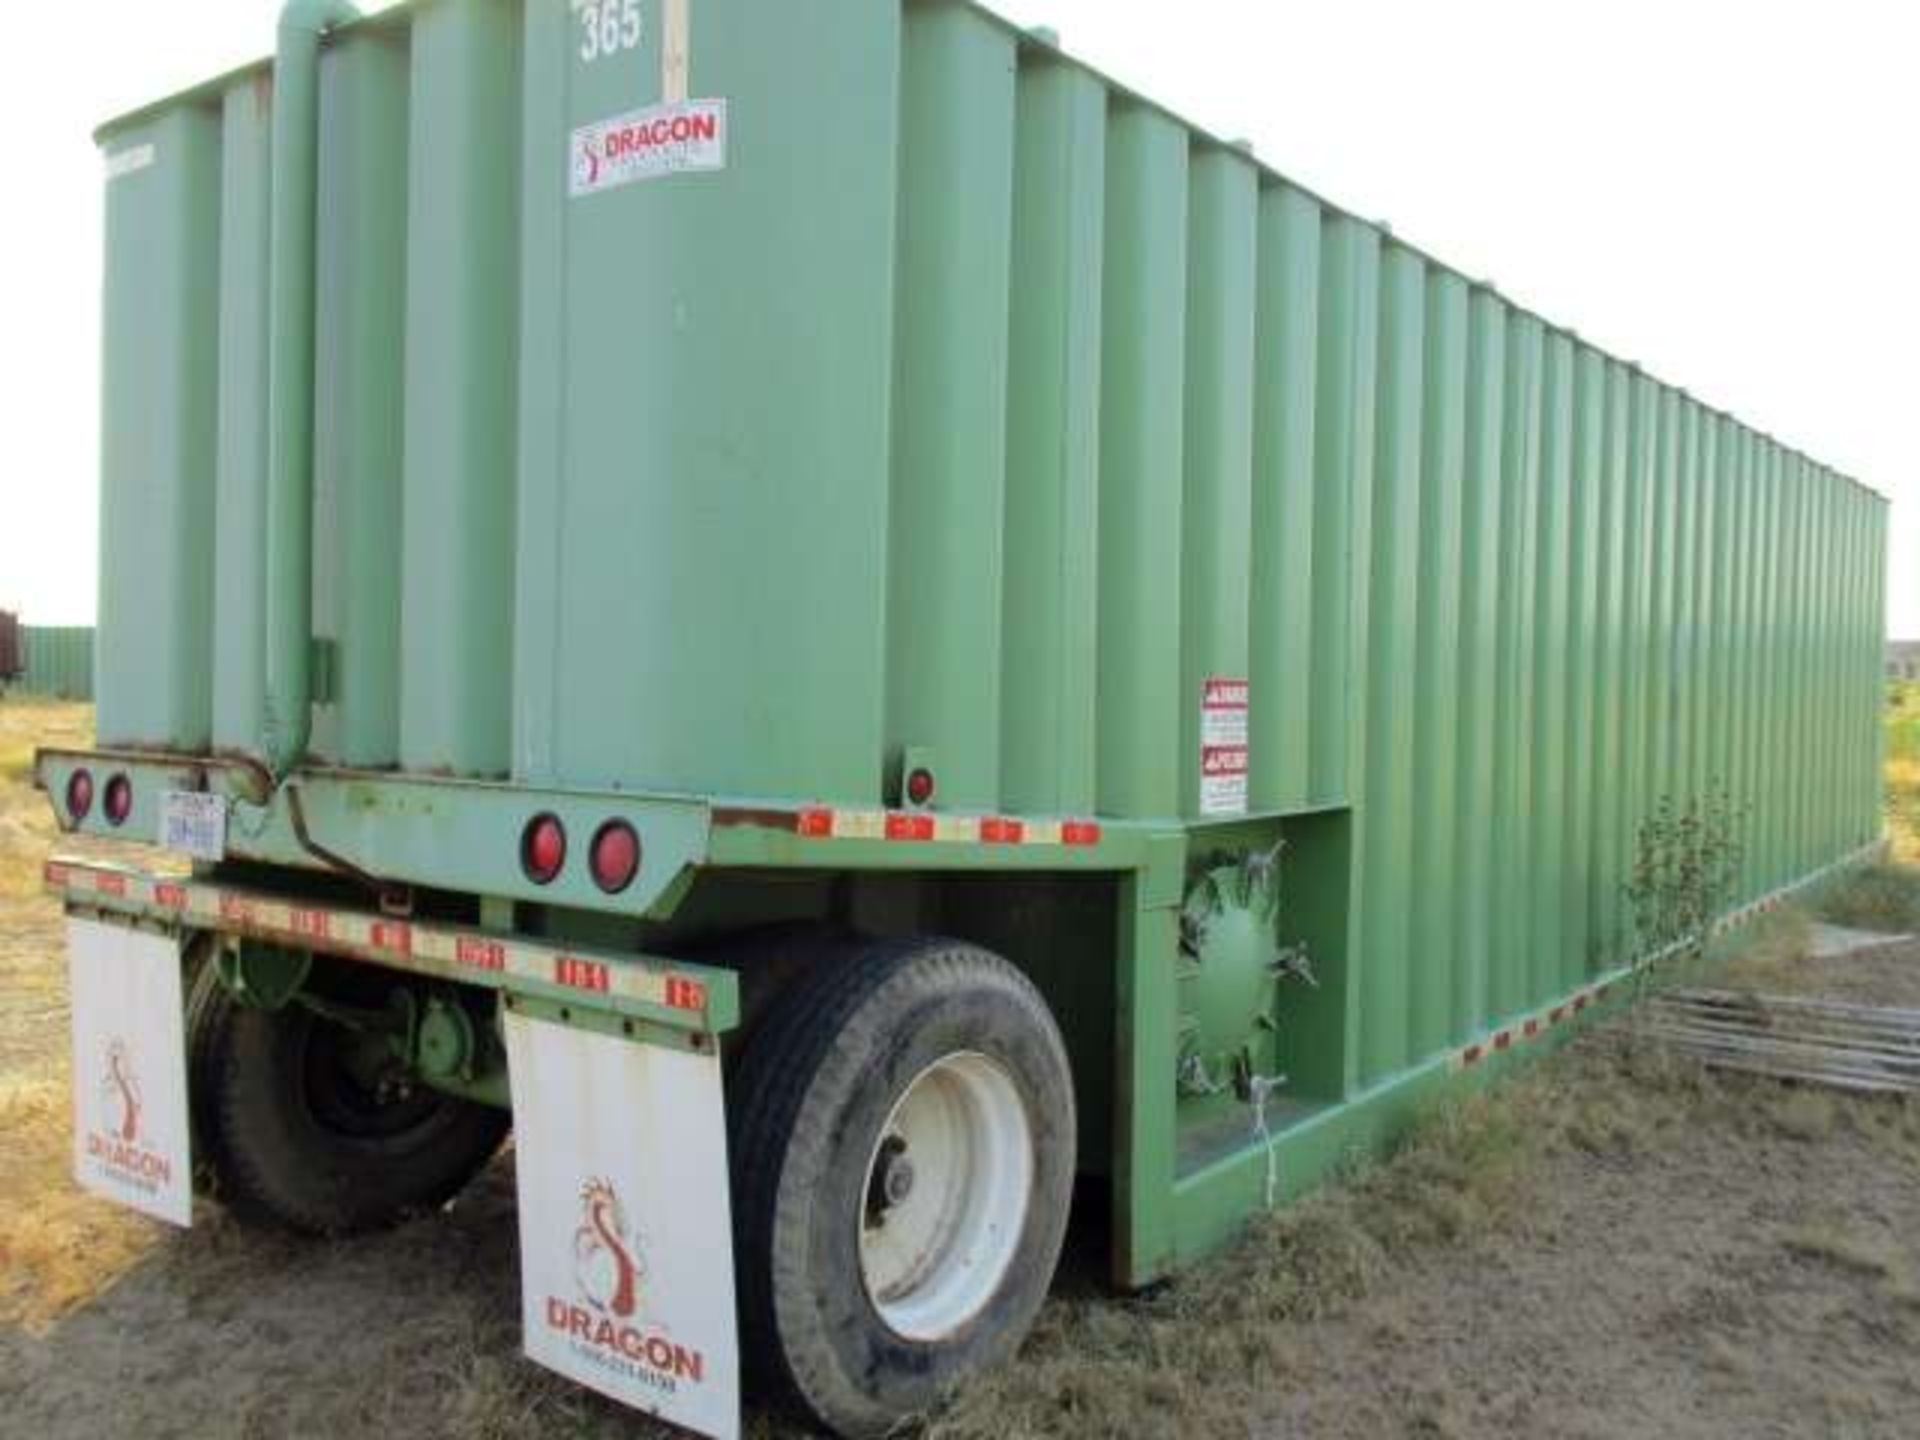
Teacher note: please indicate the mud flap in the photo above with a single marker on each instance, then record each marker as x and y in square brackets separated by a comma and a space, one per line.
[626, 1259]
[130, 1126]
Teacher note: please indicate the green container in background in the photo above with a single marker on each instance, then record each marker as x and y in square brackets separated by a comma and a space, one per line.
[58, 662]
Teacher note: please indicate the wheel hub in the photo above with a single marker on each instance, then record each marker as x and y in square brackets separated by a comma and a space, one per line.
[947, 1193]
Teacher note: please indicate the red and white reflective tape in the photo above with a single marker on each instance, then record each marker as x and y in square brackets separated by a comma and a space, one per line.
[405, 944]
[926, 827]
[1529, 1028]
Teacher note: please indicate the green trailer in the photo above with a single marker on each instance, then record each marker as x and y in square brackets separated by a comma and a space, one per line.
[852, 624]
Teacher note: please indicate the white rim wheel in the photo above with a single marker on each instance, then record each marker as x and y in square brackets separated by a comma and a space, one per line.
[948, 1186]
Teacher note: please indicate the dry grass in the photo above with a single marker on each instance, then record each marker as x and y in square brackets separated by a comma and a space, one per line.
[1883, 897]
[1903, 771]
[26, 824]
[58, 1246]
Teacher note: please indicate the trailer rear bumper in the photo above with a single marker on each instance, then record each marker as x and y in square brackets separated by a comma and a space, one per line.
[643, 997]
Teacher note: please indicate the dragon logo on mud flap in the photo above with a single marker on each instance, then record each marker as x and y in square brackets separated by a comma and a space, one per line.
[604, 1323]
[117, 1146]
[122, 1088]
[604, 1264]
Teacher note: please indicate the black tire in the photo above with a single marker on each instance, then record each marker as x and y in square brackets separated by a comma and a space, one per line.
[292, 1141]
[813, 1093]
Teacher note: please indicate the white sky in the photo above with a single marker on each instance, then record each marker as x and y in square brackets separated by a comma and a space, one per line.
[1727, 193]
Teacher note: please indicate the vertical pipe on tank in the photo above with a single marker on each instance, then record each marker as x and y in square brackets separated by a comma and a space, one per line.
[1287, 334]
[1217, 514]
[1386, 874]
[1480, 546]
[945, 575]
[1053, 440]
[1437, 893]
[287, 711]
[462, 285]
[240, 462]
[1144, 289]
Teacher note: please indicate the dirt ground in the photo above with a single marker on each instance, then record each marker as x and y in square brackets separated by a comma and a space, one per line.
[1612, 1245]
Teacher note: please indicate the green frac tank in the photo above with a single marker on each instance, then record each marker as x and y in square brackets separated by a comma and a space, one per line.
[791, 390]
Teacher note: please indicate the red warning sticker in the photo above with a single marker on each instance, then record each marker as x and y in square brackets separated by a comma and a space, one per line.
[1223, 746]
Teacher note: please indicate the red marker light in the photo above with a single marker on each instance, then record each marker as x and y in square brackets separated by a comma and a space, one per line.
[543, 849]
[920, 787]
[79, 795]
[614, 856]
[118, 802]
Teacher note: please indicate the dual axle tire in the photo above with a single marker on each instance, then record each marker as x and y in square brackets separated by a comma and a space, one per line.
[295, 1138]
[903, 1151]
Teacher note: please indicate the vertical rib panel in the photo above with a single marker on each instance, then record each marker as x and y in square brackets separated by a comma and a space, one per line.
[1642, 424]
[1343, 492]
[1217, 518]
[1770, 827]
[1514, 856]
[360, 393]
[1053, 439]
[1437, 894]
[1393, 616]
[1586, 549]
[950, 398]
[462, 288]
[1705, 776]
[1550, 943]
[1746, 648]
[1608, 870]
[1343, 531]
[1799, 757]
[1681, 659]
[1141, 412]
[159, 388]
[240, 459]
[1661, 647]
[1285, 390]
[1479, 660]
[1726, 629]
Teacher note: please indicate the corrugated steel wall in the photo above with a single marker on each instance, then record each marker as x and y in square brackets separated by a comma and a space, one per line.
[58, 661]
[991, 430]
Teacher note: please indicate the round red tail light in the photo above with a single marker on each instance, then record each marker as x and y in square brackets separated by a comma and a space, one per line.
[543, 848]
[615, 856]
[117, 804]
[920, 786]
[79, 795]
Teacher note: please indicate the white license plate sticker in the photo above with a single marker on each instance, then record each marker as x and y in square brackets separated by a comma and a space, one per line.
[195, 823]
[130, 1132]
[626, 1246]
